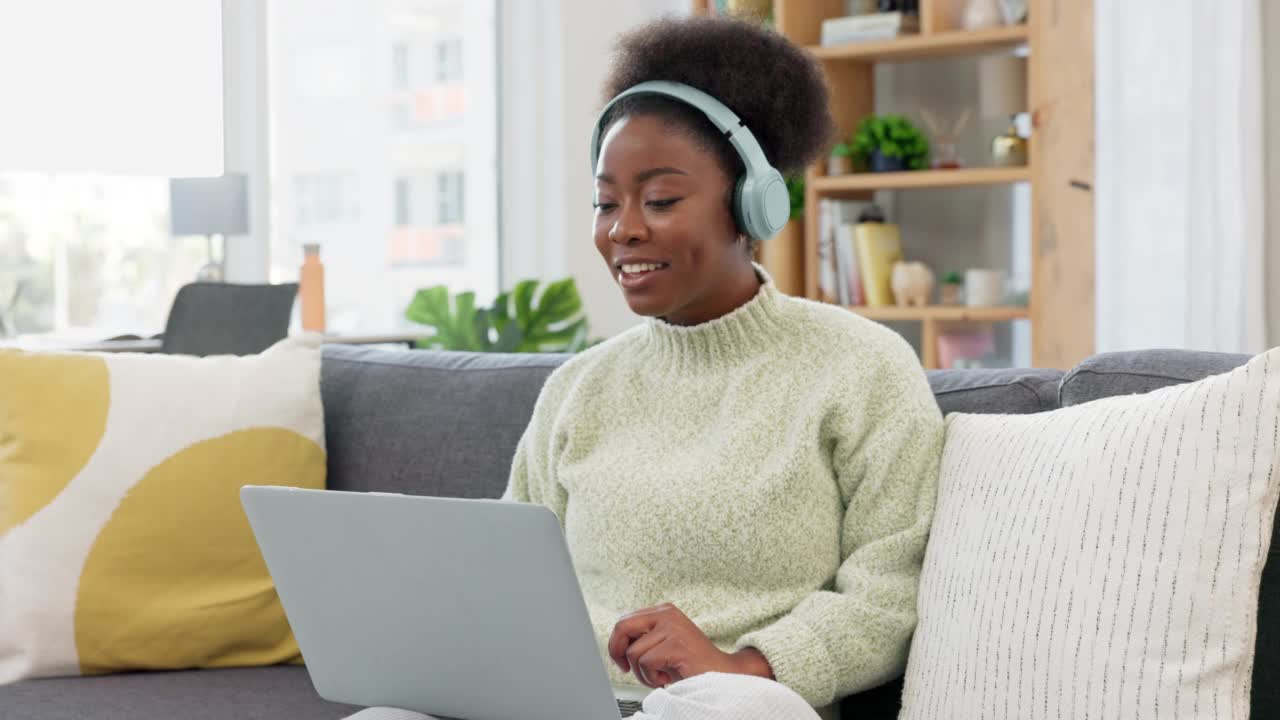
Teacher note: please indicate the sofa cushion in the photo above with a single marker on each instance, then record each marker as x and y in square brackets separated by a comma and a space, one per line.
[1012, 392]
[123, 544]
[427, 422]
[1131, 372]
[266, 693]
[1078, 556]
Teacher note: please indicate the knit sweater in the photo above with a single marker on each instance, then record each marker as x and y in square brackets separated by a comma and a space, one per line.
[771, 472]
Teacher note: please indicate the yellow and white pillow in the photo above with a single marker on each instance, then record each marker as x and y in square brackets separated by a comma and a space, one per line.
[122, 541]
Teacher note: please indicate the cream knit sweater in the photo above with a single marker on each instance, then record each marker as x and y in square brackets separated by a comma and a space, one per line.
[771, 472]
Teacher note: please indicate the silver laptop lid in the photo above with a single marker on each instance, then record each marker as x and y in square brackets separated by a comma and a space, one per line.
[461, 608]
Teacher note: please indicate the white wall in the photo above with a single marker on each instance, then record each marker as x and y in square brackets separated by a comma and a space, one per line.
[555, 56]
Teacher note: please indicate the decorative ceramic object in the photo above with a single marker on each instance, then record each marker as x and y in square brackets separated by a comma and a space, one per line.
[945, 138]
[984, 288]
[982, 14]
[912, 284]
[839, 165]
[958, 350]
[1015, 11]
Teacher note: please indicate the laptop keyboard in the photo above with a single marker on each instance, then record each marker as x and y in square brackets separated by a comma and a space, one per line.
[629, 707]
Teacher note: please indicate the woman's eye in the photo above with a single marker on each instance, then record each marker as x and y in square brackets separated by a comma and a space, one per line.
[663, 204]
[603, 206]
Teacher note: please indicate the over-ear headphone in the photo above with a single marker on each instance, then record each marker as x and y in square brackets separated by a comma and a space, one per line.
[761, 204]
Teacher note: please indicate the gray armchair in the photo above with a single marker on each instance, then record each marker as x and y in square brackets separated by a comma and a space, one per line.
[227, 319]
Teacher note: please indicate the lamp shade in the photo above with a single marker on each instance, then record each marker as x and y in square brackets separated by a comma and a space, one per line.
[1002, 85]
[209, 206]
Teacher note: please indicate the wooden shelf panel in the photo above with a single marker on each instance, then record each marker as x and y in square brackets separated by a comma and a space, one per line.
[941, 313]
[926, 46]
[834, 185]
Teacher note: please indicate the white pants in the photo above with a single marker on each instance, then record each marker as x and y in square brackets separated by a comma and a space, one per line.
[710, 696]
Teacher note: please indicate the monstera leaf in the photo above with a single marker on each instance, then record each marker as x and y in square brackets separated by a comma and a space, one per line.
[518, 321]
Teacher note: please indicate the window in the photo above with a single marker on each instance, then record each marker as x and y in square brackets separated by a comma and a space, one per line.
[449, 198]
[371, 163]
[449, 60]
[327, 198]
[89, 252]
[428, 215]
[400, 66]
[86, 145]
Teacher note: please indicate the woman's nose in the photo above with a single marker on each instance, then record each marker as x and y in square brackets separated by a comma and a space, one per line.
[629, 227]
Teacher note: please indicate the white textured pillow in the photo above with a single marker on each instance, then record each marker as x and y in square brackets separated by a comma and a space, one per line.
[1101, 560]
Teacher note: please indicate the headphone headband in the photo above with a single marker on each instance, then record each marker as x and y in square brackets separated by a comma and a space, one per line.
[761, 202]
[725, 120]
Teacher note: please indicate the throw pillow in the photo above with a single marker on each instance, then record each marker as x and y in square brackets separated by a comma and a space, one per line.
[123, 544]
[1101, 560]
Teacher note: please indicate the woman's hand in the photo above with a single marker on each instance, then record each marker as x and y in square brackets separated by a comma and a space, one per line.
[662, 645]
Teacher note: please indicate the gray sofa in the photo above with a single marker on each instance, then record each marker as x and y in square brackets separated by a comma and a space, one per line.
[447, 424]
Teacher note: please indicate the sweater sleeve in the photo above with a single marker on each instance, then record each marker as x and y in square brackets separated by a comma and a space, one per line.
[886, 452]
[533, 478]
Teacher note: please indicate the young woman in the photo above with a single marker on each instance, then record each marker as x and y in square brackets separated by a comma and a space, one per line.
[746, 479]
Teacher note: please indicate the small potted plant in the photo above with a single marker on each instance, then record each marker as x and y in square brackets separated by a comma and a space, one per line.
[840, 161]
[890, 143]
[949, 293]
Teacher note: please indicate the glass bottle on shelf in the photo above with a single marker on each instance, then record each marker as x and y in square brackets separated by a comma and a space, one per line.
[311, 288]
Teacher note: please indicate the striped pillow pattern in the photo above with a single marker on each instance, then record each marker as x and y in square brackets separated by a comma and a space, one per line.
[1101, 560]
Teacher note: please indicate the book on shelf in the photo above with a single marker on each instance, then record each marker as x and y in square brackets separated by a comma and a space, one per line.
[872, 26]
[850, 273]
[826, 250]
[839, 276]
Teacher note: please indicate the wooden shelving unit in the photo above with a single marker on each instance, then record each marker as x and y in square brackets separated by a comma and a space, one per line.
[941, 313]
[927, 47]
[861, 183]
[1058, 37]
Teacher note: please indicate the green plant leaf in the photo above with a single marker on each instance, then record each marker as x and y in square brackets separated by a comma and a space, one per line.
[464, 322]
[522, 295]
[509, 338]
[559, 301]
[795, 194]
[550, 322]
[498, 315]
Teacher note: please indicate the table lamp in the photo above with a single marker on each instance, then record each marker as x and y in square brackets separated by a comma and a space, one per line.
[1002, 90]
[209, 206]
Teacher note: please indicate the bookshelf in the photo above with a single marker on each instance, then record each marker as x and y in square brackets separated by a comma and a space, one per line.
[858, 184]
[1058, 37]
[926, 46]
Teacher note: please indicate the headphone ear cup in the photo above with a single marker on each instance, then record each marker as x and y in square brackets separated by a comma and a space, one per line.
[738, 204]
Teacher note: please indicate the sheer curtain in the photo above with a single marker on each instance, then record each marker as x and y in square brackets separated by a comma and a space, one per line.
[1180, 215]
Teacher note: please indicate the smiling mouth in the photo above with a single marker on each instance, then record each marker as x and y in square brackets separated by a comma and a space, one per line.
[638, 275]
[639, 269]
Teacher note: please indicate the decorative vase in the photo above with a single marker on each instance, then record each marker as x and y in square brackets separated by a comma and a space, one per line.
[783, 258]
[1009, 149]
[884, 163]
[839, 165]
[984, 288]
[949, 294]
[981, 14]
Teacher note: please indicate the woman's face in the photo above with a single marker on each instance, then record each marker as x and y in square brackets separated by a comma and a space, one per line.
[663, 223]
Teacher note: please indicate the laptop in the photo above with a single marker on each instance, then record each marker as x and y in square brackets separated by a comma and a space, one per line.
[456, 608]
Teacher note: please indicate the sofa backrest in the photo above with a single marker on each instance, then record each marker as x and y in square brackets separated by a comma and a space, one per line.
[447, 423]
[1141, 371]
[427, 423]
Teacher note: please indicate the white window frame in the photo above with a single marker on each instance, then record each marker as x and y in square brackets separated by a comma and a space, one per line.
[244, 117]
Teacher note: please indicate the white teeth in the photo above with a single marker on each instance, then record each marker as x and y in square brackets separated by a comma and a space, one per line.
[643, 267]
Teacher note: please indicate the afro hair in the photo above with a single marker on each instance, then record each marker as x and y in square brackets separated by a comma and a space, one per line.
[775, 87]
